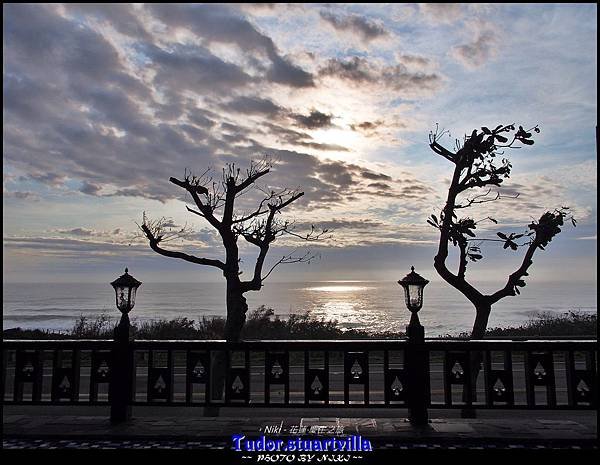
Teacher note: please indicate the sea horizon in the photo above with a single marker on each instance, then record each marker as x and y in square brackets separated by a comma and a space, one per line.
[361, 304]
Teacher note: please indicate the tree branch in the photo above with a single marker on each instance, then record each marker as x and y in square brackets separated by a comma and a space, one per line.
[462, 266]
[290, 259]
[189, 187]
[173, 254]
[440, 259]
[478, 199]
[193, 189]
[251, 179]
[263, 233]
[437, 148]
[514, 278]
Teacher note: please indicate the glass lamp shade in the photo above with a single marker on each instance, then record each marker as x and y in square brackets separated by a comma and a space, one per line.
[413, 285]
[413, 294]
[125, 288]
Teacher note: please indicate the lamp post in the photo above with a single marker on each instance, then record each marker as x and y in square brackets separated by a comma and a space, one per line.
[413, 284]
[121, 384]
[417, 360]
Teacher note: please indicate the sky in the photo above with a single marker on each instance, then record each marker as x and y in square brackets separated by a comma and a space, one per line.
[104, 103]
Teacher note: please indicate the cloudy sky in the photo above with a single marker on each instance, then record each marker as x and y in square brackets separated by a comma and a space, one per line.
[103, 103]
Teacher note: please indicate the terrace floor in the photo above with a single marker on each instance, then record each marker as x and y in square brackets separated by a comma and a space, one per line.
[58, 427]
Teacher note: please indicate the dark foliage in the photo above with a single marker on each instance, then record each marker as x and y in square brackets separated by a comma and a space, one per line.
[547, 325]
[264, 324]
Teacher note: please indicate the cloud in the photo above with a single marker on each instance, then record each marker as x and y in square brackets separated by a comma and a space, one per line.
[355, 25]
[112, 102]
[377, 176]
[355, 69]
[284, 72]
[53, 179]
[22, 195]
[254, 106]
[300, 139]
[118, 129]
[442, 12]
[368, 128]
[380, 185]
[359, 71]
[90, 188]
[337, 224]
[414, 61]
[194, 68]
[122, 17]
[475, 54]
[79, 232]
[524, 199]
[314, 120]
[259, 7]
[324, 147]
[201, 117]
[71, 247]
[368, 232]
[219, 24]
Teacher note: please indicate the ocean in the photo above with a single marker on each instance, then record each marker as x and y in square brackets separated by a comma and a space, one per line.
[374, 305]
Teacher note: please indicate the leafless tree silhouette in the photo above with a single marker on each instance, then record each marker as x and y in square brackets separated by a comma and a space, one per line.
[215, 202]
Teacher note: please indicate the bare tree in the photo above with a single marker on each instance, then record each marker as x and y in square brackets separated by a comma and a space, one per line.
[476, 172]
[215, 202]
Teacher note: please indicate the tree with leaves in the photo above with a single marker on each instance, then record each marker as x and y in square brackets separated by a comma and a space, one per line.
[476, 172]
[215, 202]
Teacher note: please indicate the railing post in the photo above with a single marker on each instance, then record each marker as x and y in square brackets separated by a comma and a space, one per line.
[122, 373]
[416, 365]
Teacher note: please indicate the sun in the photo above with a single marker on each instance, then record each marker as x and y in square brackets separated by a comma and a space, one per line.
[343, 143]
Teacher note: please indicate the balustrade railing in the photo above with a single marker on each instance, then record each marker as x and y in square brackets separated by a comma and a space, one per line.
[487, 374]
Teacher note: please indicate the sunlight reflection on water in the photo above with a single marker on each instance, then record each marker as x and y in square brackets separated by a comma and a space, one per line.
[370, 305]
[337, 288]
[350, 305]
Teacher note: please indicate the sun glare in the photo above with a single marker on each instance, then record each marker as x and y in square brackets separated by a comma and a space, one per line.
[344, 138]
[337, 288]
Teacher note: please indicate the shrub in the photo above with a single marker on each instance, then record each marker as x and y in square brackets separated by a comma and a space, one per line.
[99, 328]
[546, 325]
[178, 328]
[263, 323]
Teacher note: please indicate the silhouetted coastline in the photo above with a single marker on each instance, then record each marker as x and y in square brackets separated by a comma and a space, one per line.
[264, 323]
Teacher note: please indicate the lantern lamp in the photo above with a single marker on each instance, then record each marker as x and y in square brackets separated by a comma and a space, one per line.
[413, 284]
[125, 288]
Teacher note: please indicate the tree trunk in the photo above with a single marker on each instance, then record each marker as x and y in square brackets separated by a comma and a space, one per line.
[236, 317]
[476, 358]
[481, 320]
[236, 311]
